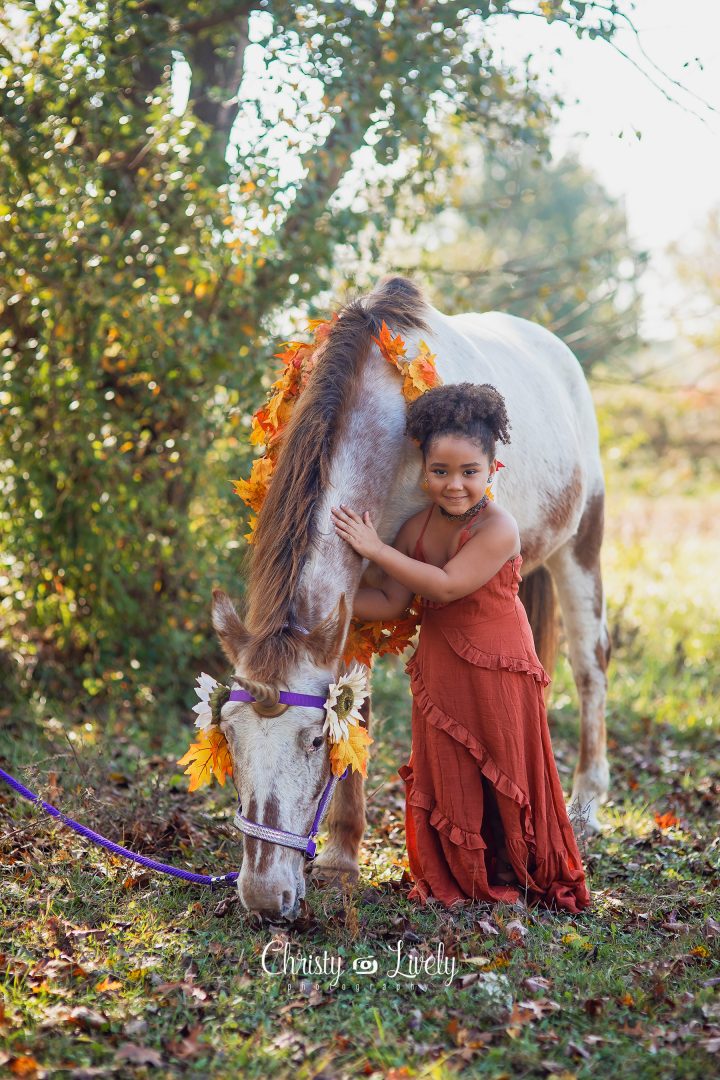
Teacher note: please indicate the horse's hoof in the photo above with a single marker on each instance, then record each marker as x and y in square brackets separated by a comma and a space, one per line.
[338, 874]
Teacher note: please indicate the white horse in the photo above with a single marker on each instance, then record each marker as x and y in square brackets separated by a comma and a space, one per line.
[345, 443]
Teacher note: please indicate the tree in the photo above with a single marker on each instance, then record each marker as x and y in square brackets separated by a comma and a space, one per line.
[698, 269]
[537, 238]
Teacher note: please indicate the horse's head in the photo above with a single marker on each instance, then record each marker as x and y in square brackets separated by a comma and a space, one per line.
[280, 758]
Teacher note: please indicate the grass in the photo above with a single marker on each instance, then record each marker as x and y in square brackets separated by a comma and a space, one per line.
[111, 971]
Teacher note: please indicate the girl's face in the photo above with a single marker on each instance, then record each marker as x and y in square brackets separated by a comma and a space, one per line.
[457, 472]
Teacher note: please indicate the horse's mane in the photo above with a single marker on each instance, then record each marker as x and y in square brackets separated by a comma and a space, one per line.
[285, 529]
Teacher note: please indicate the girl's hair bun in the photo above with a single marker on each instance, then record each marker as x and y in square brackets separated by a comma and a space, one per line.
[473, 411]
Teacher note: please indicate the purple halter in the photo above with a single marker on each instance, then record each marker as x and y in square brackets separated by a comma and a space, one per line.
[286, 696]
[306, 844]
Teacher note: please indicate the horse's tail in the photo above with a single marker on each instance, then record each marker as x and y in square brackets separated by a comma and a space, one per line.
[537, 593]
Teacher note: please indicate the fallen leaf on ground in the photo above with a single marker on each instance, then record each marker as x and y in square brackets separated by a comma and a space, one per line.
[139, 1055]
[24, 1065]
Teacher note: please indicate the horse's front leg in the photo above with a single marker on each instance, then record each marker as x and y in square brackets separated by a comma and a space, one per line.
[339, 858]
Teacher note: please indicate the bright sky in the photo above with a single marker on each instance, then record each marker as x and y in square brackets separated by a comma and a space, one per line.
[669, 179]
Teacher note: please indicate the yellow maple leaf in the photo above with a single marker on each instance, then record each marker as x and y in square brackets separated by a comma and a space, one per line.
[257, 431]
[351, 751]
[285, 380]
[250, 534]
[278, 410]
[207, 757]
[420, 374]
[253, 490]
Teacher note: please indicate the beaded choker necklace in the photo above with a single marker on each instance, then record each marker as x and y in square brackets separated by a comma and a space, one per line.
[468, 513]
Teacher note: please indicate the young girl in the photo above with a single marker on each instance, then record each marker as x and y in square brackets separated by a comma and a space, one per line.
[485, 814]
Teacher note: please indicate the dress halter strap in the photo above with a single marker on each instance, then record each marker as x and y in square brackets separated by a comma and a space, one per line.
[425, 522]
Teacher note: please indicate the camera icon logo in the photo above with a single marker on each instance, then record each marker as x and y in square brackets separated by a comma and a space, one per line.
[365, 965]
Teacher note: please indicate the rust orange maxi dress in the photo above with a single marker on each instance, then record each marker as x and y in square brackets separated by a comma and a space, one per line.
[481, 755]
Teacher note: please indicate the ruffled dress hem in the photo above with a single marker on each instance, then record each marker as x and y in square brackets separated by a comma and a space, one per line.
[552, 881]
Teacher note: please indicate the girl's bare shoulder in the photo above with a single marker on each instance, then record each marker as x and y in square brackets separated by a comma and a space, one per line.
[498, 522]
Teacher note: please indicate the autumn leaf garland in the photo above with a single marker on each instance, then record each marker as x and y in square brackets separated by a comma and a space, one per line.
[270, 419]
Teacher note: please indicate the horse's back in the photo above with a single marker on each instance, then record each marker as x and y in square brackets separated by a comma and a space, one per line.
[536, 372]
[504, 338]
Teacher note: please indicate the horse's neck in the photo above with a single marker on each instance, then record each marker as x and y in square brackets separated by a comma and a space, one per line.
[370, 462]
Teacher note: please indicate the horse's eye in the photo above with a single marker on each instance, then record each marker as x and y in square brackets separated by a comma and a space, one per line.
[317, 743]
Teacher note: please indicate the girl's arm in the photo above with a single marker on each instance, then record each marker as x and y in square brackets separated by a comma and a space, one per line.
[391, 599]
[477, 561]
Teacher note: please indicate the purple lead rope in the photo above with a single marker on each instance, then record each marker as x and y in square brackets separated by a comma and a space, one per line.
[151, 864]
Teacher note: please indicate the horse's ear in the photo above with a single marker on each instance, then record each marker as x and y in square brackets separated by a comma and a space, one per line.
[326, 641]
[229, 626]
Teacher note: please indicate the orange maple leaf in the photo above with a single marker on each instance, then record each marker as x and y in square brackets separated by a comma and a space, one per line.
[207, 757]
[294, 353]
[392, 636]
[253, 490]
[665, 821]
[362, 641]
[401, 633]
[358, 649]
[320, 328]
[393, 349]
[351, 751]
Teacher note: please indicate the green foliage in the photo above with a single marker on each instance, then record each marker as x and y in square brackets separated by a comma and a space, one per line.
[114, 330]
[536, 238]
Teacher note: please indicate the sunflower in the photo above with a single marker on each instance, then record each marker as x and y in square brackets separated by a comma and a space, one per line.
[204, 688]
[342, 705]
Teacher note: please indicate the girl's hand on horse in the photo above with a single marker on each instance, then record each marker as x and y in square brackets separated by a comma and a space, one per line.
[358, 531]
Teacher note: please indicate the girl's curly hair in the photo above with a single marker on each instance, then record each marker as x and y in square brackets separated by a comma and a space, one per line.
[473, 411]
